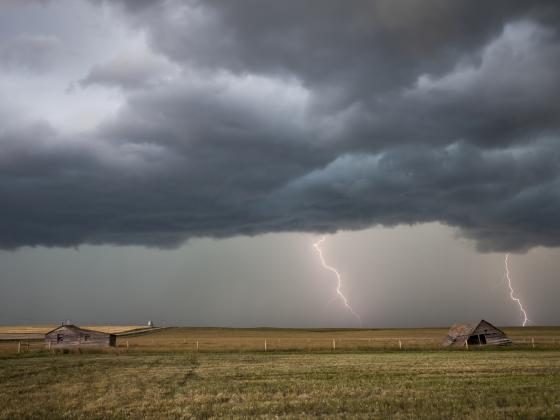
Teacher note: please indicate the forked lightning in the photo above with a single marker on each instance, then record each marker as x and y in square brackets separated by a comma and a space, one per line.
[317, 246]
[525, 319]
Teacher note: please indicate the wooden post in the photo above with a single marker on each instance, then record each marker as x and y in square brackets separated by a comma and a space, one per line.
[333, 344]
[400, 345]
[479, 343]
[533, 341]
[467, 345]
[265, 344]
[127, 344]
[196, 345]
[49, 344]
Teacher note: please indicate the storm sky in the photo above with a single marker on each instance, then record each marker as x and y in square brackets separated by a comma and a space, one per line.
[176, 159]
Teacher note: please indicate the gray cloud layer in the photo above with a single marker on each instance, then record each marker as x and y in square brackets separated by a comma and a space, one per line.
[304, 116]
[29, 52]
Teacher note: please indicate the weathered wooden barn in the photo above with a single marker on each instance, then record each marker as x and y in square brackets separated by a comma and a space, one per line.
[477, 334]
[67, 336]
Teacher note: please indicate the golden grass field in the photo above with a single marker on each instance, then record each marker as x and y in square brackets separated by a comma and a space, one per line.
[230, 339]
[161, 375]
[281, 339]
[42, 329]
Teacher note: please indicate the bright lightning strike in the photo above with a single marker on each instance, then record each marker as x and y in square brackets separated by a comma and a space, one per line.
[317, 246]
[525, 319]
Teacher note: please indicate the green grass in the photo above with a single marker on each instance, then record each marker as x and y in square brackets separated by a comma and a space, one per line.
[504, 383]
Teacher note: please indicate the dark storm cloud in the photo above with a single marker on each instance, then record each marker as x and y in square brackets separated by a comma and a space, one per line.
[306, 116]
[359, 50]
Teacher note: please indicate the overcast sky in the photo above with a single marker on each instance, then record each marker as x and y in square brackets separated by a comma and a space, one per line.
[176, 160]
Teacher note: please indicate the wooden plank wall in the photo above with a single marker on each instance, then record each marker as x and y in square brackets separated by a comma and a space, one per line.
[75, 337]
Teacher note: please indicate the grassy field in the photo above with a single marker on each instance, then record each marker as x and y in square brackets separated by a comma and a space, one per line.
[477, 384]
[161, 375]
[228, 339]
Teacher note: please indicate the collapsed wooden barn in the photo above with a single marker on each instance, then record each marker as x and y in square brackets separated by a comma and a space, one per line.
[477, 334]
[72, 336]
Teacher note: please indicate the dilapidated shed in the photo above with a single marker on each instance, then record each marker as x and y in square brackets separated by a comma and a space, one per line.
[67, 336]
[477, 334]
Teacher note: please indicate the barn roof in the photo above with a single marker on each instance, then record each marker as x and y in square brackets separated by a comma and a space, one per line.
[77, 329]
[458, 330]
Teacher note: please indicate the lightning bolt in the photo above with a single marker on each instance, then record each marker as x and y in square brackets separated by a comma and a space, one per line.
[317, 246]
[525, 319]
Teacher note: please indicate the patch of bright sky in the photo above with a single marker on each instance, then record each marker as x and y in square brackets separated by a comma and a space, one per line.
[515, 49]
[88, 35]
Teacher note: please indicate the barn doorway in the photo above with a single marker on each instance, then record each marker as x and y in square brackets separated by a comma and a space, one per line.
[477, 339]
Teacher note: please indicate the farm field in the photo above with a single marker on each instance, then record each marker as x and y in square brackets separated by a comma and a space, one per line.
[418, 384]
[283, 339]
[161, 374]
[42, 329]
[230, 339]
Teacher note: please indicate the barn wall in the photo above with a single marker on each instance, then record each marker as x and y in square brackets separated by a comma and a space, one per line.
[460, 340]
[73, 337]
[454, 341]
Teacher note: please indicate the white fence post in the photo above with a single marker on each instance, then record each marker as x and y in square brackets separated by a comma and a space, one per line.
[265, 344]
[333, 344]
[400, 345]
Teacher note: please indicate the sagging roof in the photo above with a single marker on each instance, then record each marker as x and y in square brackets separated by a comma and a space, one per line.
[458, 330]
[77, 329]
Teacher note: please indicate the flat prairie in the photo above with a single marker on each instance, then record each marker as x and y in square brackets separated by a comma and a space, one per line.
[162, 375]
[285, 339]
